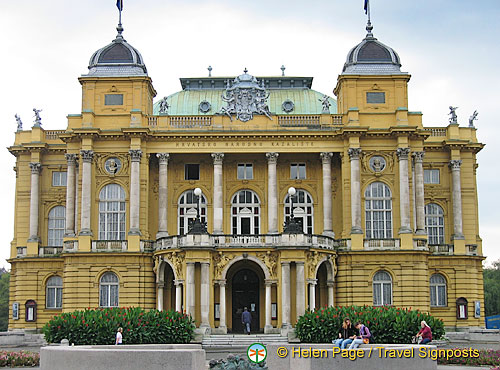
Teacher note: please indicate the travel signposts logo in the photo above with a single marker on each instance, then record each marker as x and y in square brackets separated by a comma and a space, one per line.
[257, 352]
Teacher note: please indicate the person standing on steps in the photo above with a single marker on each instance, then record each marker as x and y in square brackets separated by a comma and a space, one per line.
[246, 320]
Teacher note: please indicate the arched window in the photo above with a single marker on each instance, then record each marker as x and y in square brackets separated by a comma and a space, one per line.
[245, 213]
[438, 290]
[112, 213]
[54, 292]
[382, 289]
[434, 223]
[303, 210]
[186, 210]
[378, 211]
[57, 223]
[108, 290]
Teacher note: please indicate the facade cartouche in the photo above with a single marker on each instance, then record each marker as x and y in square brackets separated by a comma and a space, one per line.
[388, 207]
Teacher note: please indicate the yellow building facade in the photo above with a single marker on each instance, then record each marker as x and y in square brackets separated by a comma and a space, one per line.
[308, 201]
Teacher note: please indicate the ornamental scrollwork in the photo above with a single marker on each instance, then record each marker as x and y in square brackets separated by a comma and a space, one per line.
[270, 259]
[220, 261]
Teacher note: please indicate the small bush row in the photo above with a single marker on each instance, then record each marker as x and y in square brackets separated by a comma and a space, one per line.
[140, 326]
[19, 359]
[387, 324]
[487, 357]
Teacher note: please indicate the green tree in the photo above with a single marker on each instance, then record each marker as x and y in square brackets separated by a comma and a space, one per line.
[4, 299]
[491, 276]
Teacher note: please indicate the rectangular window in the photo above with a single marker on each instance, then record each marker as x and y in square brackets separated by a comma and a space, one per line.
[298, 171]
[245, 171]
[58, 178]
[431, 176]
[191, 172]
[113, 99]
[375, 97]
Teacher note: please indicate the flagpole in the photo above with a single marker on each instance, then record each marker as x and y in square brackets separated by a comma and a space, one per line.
[368, 10]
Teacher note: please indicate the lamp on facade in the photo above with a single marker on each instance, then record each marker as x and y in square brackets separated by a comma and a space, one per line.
[197, 227]
[291, 225]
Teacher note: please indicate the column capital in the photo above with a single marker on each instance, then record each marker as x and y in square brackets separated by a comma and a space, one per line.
[204, 263]
[312, 281]
[285, 263]
[455, 164]
[135, 155]
[87, 155]
[221, 282]
[418, 157]
[178, 282]
[326, 157]
[71, 158]
[36, 168]
[403, 153]
[354, 153]
[272, 157]
[218, 158]
[299, 262]
[163, 158]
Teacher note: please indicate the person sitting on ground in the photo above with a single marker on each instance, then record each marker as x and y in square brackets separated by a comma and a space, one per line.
[363, 337]
[246, 320]
[424, 336]
[346, 334]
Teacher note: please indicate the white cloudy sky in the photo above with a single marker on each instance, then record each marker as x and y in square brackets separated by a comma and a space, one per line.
[449, 46]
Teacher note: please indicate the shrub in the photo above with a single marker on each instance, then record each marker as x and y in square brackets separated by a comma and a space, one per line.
[17, 359]
[99, 326]
[236, 362]
[387, 324]
[488, 357]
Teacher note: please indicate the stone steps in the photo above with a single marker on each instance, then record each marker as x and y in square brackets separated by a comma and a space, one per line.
[240, 340]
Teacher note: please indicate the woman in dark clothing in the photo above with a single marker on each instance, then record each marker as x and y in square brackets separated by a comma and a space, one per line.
[346, 334]
[424, 333]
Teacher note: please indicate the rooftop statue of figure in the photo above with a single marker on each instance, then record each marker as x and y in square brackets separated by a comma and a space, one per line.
[473, 118]
[164, 106]
[38, 119]
[325, 102]
[19, 123]
[453, 115]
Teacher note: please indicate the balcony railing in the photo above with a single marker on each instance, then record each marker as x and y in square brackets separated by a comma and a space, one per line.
[420, 244]
[50, 251]
[243, 241]
[441, 249]
[471, 249]
[53, 134]
[109, 245]
[70, 246]
[21, 251]
[190, 121]
[382, 243]
[299, 121]
[436, 131]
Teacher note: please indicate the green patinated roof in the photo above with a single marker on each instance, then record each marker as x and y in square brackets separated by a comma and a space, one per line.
[187, 102]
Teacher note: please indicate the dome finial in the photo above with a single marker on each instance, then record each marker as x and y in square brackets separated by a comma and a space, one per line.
[119, 5]
[369, 26]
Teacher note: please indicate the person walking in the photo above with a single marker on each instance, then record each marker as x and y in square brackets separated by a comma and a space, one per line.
[424, 336]
[246, 320]
[346, 335]
[119, 336]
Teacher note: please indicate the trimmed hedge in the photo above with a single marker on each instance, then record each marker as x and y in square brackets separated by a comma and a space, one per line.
[387, 324]
[99, 326]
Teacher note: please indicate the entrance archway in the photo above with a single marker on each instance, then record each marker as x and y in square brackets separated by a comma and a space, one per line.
[166, 284]
[246, 288]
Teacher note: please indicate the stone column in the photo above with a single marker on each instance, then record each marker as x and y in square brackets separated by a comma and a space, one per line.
[70, 196]
[222, 303]
[300, 289]
[135, 190]
[161, 286]
[354, 154]
[312, 293]
[162, 194]
[457, 199]
[218, 199]
[178, 295]
[285, 294]
[326, 160]
[87, 156]
[36, 168]
[205, 294]
[404, 190]
[268, 306]
[77, 173]
[330, 285]
[272, 194]
[190, 289]
[418, 158]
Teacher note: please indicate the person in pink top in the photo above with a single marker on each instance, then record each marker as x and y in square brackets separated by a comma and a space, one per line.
[425, 334]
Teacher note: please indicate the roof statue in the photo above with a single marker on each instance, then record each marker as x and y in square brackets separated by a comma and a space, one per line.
[209, 71]
[325, 102]
[164, 106]
[283, 70]
[473, 118]
[453, 115]
[38, 119]
[19, 123]
[244, 98]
